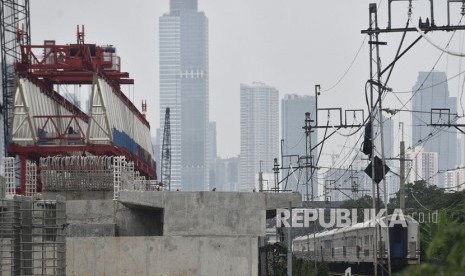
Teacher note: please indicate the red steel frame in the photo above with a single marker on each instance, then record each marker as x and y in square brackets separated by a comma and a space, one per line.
[71, 64]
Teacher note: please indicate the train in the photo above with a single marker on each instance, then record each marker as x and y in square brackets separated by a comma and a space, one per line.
[354, 245]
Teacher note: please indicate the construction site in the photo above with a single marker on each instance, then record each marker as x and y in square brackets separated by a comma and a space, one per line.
[79, 192]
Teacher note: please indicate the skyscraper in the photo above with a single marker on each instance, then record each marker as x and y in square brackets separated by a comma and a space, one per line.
[212, 154]
[227, 174]
[455, 180]
[431, 91]
[424, 166]
[259, 132]
[293, 109]
[392, 179]
[184, 88]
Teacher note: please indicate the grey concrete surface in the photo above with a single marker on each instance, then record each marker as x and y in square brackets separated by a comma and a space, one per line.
[211, 213]
[175, 256]
[80, 195]
[169, 233]
[266, 201]
[91, 230]
[90, 211]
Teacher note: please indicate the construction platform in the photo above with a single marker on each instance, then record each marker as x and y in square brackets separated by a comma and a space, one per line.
[159, 232]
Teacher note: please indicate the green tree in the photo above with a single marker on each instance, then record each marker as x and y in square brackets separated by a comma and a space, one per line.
[442, 242]
[365, 202]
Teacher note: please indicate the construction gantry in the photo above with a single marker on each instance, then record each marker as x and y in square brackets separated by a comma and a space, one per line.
[45, 123]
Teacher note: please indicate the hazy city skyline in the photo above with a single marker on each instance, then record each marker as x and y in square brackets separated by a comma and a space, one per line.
[259, 133]
[184, 75]
[291, 46]
[444, 144]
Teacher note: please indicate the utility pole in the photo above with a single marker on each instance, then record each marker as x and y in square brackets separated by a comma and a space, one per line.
[308, 154]
[373, 11]
[289, 243]
[276, 175]
[309, 170]
[381, 89]
[373, 31]
[402, 171]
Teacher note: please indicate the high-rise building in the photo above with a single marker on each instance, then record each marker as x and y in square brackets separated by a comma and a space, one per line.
[392, 179]
[227, 174]
[184, 88]
[431, 91]
[259, 132]
[212, 154]
[422, 167]
[293, 109]
[455, 180]
[460, 150]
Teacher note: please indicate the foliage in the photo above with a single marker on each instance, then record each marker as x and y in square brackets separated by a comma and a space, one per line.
[442, 241]
[302, 267]
[365, 202]
[323, 270]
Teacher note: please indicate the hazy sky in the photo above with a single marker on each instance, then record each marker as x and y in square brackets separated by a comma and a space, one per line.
[291, 45]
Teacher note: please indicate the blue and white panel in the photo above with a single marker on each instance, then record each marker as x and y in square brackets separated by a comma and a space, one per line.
[112, 121]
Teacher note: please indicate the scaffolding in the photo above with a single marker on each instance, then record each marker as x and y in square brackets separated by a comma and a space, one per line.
[126, 178]
[119, 164]
[43, 241]
[31, 178]
[9, 237]
[9, 174]
[32, 236]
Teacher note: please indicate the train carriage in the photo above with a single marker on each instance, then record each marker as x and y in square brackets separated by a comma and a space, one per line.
[354, 245]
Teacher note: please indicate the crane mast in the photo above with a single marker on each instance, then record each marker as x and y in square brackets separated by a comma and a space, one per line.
[166, 152]
[14, 31]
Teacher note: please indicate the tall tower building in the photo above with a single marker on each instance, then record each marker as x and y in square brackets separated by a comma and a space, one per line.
[259, 132]
[184, 88]
[424, 166]
[227, 174]
[455, 180]
[431, 91]
[392, 179]
[212, 154]
[293, 109]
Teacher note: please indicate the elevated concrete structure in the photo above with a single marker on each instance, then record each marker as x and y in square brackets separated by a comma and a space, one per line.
[212, 213]
[180, 256]
[169, 233]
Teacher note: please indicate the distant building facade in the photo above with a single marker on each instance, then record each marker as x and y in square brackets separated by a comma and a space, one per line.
[184, 74]
[259, 132]
[423, 166]
[392, 179]
[227, 174]
[212, 154]
[431, 91]
[455, 180]
[293, 109]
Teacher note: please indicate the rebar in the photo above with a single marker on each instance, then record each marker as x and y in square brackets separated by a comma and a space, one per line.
[43, 243]
[77, 173]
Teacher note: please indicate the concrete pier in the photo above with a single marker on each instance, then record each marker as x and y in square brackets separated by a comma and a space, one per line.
[170, 233]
